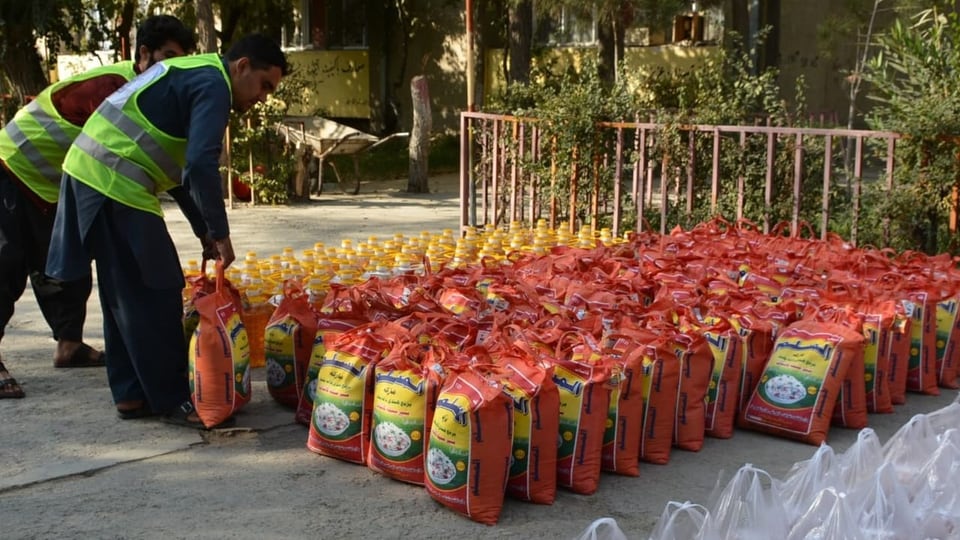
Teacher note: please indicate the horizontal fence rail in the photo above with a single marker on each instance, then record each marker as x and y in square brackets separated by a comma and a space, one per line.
[511, 170]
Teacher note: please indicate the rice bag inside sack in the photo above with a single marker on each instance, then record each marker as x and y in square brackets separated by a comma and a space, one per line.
[584, 383]
[468, 451]
[340, 426]
[948, 338]
[878, 320]
[536, 422]
[922, 373]
[899, 355]
[696, 370]
[851, 409]
[288, 343]
[723, 397]
[756, 343]
[661, 382]
[327, 330]
[219, 356]
[621, 440]
[799, 387]
[404, 396]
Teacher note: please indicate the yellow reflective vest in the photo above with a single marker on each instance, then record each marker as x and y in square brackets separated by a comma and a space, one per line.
[121, 154]
[34, 143]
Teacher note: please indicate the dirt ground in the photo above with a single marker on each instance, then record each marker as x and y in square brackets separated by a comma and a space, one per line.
[71, 469]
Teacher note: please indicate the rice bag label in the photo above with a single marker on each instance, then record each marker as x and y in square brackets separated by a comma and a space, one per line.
[611, 427]
[789, 390]
[717, 392]
[448, 457]
[571, 387]
[279, 352]
[946, 320]
[338, 409]
[239, 346]
[871, 351]
[399, 418]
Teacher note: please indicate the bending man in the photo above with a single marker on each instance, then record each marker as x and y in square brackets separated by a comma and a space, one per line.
[161, 131]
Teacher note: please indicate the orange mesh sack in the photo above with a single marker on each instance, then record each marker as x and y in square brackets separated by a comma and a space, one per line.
[661, 381]
[536, 422]
[340, 426]
[899, 359]
[948, 338]
[584, 386]
[696, 370]
[799, 387]
[724, 392]
[922, 374]
[468, 453]
[219, 359]
[288, 344]
[621, 440]
[877, 324]
[756, 340]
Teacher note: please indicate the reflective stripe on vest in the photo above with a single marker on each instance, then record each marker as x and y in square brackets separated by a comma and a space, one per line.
[46, 121]
[100, 153]
[144, 139]
[29, 151]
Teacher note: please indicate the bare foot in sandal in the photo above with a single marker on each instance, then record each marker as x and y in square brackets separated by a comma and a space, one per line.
[9, 387]
[76, 354]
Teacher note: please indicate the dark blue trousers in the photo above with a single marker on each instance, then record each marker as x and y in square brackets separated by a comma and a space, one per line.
[141, 286]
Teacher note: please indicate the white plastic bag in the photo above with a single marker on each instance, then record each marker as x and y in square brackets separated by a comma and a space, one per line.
[883, 508]
[861, 461]
[749, 508]
[680, 521]
[948, 417]
[829, 517]
[603, 529]
[808, 478]
[910, 447]
[935, 493]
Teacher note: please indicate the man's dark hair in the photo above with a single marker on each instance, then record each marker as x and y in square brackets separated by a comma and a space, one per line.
[154, 31]
[262, 51]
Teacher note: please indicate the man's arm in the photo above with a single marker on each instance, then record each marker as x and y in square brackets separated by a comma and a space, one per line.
[209, 103]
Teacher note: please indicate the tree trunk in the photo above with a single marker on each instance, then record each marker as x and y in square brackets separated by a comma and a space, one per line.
[302, 178]
[21, 64]
[606, 66]
[419, 136]
[521, 42]
[124, 25]
[206, 31]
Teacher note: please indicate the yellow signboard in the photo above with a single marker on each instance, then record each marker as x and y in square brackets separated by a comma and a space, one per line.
[334, 84]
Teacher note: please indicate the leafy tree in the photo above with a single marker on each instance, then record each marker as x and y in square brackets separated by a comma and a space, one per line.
[915, 80]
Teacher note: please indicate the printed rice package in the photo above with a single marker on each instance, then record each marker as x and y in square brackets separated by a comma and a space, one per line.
[661, 382]
[799, 387]
[899, 357]
[724, 392]
[327, 330]
[621, 439]
[922, 374]
[756, 340]
[948, 338]
[877, 325]
[340, 426]
[288, 343]
[404, 397]
[584, 384]
[536, 422]
[468, 451]
[219, 356]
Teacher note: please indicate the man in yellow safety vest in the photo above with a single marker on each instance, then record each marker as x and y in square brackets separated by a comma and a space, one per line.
[32, 147]
[162, 131]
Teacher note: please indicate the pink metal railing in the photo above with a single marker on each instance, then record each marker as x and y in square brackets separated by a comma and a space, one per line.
[496, 148]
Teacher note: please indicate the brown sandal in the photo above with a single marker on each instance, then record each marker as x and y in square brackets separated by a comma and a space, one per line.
[83, 356]
[9, 387]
